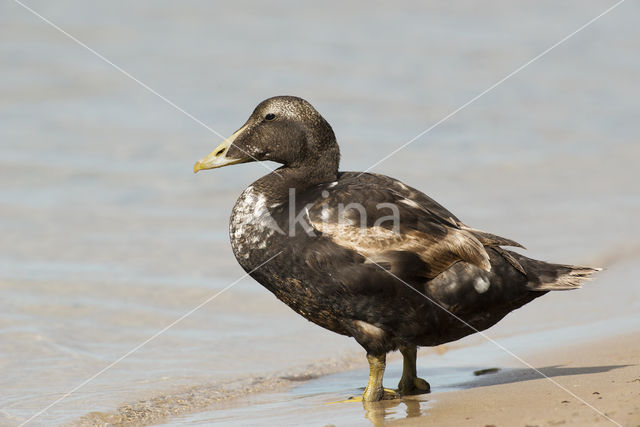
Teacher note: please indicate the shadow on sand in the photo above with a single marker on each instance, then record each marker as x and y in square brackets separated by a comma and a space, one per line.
[508, 376]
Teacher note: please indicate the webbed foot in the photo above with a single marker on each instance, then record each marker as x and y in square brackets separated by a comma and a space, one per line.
[376, 395]
[411, 386]
[409, 382]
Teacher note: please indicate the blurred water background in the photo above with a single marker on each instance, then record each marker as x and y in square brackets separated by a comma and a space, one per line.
[107, 236]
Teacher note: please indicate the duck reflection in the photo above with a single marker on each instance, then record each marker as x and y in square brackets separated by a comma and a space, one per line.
[379, 412]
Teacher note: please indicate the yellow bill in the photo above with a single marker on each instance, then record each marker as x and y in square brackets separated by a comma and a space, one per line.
[218, 157]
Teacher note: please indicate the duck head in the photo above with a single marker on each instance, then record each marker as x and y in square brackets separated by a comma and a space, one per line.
[283, 129]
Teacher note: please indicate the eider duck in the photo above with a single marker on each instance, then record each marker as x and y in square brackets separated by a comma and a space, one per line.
[363, 254]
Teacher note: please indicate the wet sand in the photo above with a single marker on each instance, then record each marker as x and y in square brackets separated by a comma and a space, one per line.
[604, 373]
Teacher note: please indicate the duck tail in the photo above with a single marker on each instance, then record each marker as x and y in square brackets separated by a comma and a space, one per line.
[544, 276]
[557, 277]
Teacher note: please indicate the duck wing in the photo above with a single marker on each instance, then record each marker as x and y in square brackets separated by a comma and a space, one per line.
[396, 226]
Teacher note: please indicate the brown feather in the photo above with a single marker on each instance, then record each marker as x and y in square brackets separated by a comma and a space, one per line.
[488, 239]
[438, 252]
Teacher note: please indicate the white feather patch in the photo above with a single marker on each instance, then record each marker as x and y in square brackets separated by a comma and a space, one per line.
[481, 285]
[369, 329]
[410, 203]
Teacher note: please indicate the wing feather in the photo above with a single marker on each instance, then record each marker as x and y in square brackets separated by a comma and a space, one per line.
[349, 214]
[430, 231]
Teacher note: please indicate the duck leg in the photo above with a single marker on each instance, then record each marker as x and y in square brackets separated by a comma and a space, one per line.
[410, 383]
[374, 391]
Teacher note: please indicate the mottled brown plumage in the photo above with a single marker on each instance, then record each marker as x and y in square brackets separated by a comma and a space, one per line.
[344, 263]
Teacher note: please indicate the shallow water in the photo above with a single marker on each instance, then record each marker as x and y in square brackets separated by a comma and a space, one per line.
[108, 237]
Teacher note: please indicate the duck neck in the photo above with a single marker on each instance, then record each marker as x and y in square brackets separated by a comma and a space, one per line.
[276, 186]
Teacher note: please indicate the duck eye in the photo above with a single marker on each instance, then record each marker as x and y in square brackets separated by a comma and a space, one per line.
[270, 116]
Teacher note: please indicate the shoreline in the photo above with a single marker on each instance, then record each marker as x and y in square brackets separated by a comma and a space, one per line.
[603, 371]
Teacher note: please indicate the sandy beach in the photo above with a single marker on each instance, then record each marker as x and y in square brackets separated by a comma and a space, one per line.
[605, 374]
